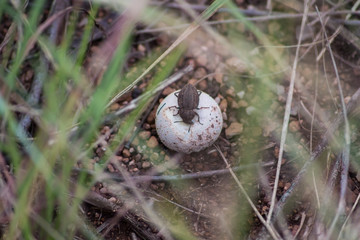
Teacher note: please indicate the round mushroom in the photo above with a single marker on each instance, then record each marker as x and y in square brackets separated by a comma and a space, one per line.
[177, 132]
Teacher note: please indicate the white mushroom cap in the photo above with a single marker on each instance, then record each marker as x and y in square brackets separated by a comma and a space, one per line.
[175, 134]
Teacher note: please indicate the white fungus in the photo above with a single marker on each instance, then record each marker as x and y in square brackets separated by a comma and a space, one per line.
[186, 138]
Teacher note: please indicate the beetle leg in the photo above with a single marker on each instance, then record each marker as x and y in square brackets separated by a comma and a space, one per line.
[198, 118]
[201, 108]
[176, 108]
[176, 94]
[199, 92]
[183, 121]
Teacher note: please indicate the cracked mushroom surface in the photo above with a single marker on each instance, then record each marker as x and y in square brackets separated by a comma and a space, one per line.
[183, 137]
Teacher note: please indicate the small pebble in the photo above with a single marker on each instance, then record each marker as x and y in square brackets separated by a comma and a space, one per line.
[111, 168]
[224, 115]
[112, 199]
[203, 85]
[231, 91]
[219, 77]
[243, 103]
[144, 135]
[154, 156]
[147, 126]
[202, 60]
[114, 107]
[234, 129]
[347, 99]
[223, 105]
[152, 142]
[200, 73]
[167, 158]
[104, 190]
[146, 165]
[151, 117]
[235, 105]
[250, 110]
[126, 153]
[154, 187]
[141, 48]
[167, 91]
[138, 157]
[236, 64]
[241, 94]
[294, 126]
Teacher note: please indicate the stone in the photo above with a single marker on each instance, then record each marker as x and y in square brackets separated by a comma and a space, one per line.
[234, 129]
[126, 153]
[219, 77]
[243, 103]
[151, 117]
[146, 165]
[154, 157]
[167, 91]
[201, 60]
[145, 135]
[203, 85]
[223, 105]
[152, 142]
[294, 126]
[114, 107]
[236, 64]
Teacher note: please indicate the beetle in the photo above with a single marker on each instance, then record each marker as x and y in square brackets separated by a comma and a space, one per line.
[188, 100]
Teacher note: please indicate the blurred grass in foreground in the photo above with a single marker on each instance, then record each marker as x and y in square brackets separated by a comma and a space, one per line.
[46, 202]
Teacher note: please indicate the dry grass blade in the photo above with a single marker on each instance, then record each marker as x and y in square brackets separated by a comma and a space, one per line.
[287, 114]
[42, 27]
[195, 25]
[173, 78]
[338, 30]
[348, 217]
[270, 229]
[346, 151]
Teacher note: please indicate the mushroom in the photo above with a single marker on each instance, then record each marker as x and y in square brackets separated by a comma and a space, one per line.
[183, 137]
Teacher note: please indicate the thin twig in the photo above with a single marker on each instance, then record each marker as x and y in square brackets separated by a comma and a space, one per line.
[312, 124]
[166, 178]
[303, 217]
[42, 27]
[348, 216]
[338, 30]
[99, 201]
[195, 25]
[256, 12]
[287, 114]
[181, 206]
[134, 103]
[270, 228]
[346, 151]
[353, 111]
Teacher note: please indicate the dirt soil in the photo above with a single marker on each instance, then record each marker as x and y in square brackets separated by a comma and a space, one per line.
[213, 206]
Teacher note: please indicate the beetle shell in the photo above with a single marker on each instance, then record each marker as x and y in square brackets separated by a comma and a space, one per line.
[188, 97]
[188, 100]
[187, 115]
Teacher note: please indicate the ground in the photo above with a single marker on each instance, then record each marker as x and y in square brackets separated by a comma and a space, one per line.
[253, 102]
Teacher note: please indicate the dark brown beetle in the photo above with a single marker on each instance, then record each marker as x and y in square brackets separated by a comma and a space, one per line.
[188, 100]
